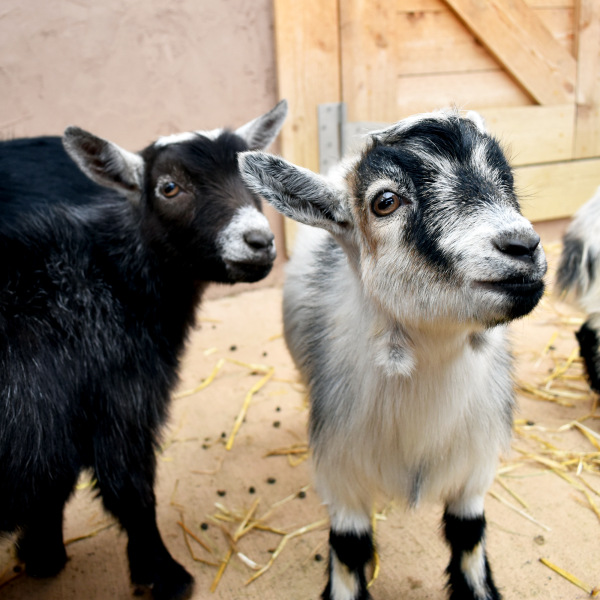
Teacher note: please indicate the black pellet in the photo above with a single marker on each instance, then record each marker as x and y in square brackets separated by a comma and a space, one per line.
[251, 489]
[204, 526]
[271, 480]
[302, 494]
[233, 348]
[318, 557]
[221, 492]
[276, 423]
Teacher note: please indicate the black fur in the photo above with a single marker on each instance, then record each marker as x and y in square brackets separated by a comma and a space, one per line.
[588, 350]
[463, 535]
[356, 552]
[97, 295]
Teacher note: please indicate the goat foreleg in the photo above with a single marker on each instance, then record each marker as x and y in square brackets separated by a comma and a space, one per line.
[469, 573]
[350, 551]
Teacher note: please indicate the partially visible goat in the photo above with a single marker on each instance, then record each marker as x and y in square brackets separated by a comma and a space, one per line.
[578, 274]
[394, 313]
[98, 289]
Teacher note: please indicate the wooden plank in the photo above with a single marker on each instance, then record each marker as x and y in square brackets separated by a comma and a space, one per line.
[391, 42]
[587, 128]
[375, 94]
[556, 190]
[433, 5]
[550, 3]
[533, 134]
[308, 71]
[559, 22]
[475, 90]
[515, 35]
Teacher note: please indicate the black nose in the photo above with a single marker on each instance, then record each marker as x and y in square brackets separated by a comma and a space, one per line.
[522, 245]
[259, 240]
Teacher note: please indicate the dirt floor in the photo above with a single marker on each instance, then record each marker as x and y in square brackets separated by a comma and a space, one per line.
[200, 482]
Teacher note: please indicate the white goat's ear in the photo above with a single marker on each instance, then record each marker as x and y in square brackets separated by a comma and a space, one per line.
[295, 192]
[105, 162]
[477, 119]
[260, 132]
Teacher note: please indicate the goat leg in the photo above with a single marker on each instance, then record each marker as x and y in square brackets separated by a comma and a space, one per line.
[350, 551]
[469, 573]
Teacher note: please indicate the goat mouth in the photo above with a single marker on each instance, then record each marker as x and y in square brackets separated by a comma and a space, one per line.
[248, 272]
[513, 285]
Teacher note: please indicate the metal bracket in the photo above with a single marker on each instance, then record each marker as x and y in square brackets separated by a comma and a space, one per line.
[330, 118]
[337, 137]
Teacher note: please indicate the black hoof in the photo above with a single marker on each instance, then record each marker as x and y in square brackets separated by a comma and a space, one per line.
[168, 582]
[44, 564]
[176, 584]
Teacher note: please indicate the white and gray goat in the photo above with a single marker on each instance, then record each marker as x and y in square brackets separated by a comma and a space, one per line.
[578, 274]
[394, 309]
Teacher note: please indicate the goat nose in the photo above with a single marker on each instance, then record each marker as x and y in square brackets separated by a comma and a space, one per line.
[259, 240]
[518, 245]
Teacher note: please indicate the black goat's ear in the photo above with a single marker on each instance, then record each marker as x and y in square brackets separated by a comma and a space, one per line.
[260, 132]
[104, 162]
[295, 192]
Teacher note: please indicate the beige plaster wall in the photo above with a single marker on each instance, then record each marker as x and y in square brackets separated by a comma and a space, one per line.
[131, 70]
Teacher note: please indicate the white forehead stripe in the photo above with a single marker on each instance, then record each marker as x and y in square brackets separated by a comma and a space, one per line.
[187, 136]
[175, 138]
[213, 134]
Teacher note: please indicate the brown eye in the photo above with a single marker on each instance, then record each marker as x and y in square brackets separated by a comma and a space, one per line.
[387, 202]
[170, 189]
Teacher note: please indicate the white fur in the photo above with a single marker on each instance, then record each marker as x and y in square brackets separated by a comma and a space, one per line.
[175, 138]
[472, 564]
[187, 136]
[443, 415]
[586, 228]
[231, 241]
[344, 583]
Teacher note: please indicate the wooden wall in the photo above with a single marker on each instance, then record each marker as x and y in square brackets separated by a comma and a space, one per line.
[531, 67]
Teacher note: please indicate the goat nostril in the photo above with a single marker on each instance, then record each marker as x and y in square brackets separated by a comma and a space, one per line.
[518, 246]
[258, 240]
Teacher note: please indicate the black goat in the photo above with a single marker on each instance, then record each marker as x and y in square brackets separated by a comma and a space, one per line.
[98, 289]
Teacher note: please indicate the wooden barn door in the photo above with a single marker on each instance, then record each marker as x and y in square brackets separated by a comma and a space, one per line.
[531, 67]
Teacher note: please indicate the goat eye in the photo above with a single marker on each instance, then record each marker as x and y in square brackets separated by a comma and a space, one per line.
[387, 202]
[170, 189]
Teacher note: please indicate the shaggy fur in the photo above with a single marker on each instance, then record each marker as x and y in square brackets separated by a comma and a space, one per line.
[578, 276]
[396, 324]
[97, 294]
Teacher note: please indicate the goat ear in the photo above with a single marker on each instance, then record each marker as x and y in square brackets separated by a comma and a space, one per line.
[295, 192]
[260, 132]
[105, 162]
[477, 119]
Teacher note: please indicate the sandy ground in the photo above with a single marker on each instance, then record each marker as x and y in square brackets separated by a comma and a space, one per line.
[247, 327]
